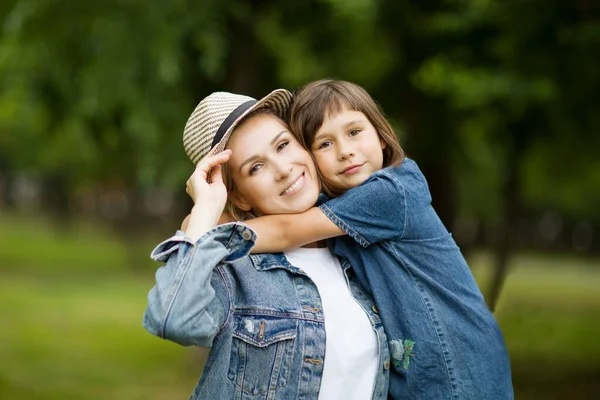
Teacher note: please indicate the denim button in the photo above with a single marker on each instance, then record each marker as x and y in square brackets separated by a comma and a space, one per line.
[246, 235]
[386, 365]
[312, 309]
[375, 310]
[313, 361]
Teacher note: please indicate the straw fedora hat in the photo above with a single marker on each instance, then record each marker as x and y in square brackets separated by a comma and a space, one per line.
[209, 127]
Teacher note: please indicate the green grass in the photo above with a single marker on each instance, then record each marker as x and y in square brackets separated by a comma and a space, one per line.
[75, 340]
[72, 309]
[33, 246]
[549, 311]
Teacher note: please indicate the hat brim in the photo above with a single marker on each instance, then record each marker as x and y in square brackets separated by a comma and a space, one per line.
[278, 100]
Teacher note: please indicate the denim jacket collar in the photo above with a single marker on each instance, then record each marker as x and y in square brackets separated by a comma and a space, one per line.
[268, 261]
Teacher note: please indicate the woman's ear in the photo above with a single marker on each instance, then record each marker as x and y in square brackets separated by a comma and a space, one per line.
[239, 201]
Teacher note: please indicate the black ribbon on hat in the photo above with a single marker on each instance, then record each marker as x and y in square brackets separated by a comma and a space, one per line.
[231, 118]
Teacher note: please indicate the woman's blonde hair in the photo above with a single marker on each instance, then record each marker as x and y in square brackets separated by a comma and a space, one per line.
[236, 212]
[315, 101]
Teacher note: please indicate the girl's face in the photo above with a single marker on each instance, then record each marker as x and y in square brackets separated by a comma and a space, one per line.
[347, 149]
[272, 172]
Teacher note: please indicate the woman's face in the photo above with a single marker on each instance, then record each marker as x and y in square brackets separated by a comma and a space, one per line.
[272, 172]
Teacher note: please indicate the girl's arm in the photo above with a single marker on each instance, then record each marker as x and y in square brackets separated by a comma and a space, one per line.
[373, 212]
[370, 213]
[288, 231]
[225, 218]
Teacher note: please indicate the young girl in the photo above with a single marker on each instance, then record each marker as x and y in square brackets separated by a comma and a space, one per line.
[444, 341]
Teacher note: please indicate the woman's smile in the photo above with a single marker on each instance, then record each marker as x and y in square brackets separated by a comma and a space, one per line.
[295, 186]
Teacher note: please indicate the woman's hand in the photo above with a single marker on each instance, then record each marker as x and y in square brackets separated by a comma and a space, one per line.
[205, 186]
[207, 190]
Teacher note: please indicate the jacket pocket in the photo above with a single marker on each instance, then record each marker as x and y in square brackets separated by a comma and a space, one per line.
[261, 354]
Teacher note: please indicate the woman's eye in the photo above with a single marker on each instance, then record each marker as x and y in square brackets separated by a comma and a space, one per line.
[354, 132]
[254, 169]
[282, 145]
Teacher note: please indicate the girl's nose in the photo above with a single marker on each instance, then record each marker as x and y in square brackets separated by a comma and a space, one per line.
[345, 152]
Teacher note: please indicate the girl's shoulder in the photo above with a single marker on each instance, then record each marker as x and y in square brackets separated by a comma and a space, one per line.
[408, 166]
[407, 175]
[403, 173]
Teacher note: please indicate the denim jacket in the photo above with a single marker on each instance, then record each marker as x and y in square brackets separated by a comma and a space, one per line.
[260, 315]
[444, 341]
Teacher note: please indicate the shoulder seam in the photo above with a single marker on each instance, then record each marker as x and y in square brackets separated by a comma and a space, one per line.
[405, 199]
[342, 225]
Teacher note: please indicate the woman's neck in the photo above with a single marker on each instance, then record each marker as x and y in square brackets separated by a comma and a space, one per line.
[319, 244]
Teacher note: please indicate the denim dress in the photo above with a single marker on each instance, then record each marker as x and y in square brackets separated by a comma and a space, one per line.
[444, 341]
[261, 316]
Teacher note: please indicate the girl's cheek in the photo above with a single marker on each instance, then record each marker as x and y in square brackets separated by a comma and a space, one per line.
[325, 170]
[318, 161]
[325, 163]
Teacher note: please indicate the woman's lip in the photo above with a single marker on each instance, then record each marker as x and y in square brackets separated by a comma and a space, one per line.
[352, 169]
[295, 186]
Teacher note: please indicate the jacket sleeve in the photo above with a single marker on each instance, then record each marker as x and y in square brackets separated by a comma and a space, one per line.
[189, 303]
[372, 212]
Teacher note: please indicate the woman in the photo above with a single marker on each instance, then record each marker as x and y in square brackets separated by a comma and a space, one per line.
[280, 326]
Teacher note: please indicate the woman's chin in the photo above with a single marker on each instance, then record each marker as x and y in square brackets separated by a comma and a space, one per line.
[306, 203]
[298, 205]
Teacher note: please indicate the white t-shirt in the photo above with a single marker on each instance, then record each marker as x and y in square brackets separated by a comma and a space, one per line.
[351, 349]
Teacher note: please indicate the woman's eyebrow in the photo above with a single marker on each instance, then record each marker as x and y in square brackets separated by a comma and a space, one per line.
[248, 160]
[254, 157]
[277, 136]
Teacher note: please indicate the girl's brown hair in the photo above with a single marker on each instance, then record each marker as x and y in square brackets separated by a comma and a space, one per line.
[315, 101]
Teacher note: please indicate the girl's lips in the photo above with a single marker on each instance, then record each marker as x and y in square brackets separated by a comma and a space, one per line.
[295, 186]
[352, 169]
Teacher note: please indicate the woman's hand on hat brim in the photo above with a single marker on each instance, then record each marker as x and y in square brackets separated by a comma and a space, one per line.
[207, 189]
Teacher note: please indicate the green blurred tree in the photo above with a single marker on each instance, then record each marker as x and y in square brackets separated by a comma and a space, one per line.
[492, 99]
[521, 80]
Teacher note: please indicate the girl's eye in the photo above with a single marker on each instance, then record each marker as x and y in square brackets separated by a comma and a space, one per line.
[323, 145]
[254, 169]
[354, 132]
[282, 145]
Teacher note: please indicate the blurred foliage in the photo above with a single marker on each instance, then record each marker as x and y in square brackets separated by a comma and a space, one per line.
[523, 76]
[100, 91]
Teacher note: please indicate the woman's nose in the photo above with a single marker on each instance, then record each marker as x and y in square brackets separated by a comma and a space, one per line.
[282, 169]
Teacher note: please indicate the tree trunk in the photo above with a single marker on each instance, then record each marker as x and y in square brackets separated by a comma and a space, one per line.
[6, 186]
[242, 76]
[510, 194]
[57, 200]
